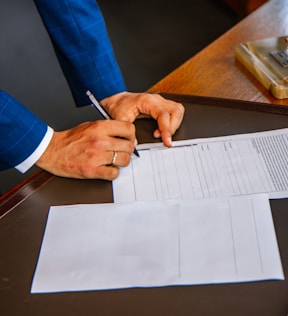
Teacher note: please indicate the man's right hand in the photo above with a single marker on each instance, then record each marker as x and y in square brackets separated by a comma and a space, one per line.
[87, 150]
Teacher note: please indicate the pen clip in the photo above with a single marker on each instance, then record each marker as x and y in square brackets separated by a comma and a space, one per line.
[97, 105]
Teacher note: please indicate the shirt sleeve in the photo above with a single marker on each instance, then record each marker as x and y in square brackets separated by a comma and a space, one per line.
[21, 132]
[32, 159]
[80, 38]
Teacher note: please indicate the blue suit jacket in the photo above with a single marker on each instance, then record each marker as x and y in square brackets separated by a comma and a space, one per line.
[78, 33]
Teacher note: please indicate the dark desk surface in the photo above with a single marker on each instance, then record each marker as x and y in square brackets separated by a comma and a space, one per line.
[21, 232]
[212, 72]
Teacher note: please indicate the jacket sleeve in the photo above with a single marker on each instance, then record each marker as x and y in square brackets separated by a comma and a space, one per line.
[81, 42]
[21, 132]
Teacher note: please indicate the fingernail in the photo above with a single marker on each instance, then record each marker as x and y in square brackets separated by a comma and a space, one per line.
[157, 134]
[169, 141]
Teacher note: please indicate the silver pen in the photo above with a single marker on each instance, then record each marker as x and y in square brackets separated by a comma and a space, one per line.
[102, 112]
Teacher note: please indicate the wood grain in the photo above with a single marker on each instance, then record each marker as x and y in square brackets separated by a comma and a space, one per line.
[214, 72]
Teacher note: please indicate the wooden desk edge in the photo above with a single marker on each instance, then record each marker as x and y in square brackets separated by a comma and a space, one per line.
[23, 190]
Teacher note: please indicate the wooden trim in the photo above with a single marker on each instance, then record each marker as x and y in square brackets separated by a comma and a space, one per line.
[23, 190]
[230, 103]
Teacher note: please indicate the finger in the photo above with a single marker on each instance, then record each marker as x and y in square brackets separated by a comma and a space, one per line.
[108, 172]
[164, 128]
[121, 146]
[176, 116]
[122, 129]
[118, 136]
[119, 159]
[104, 169]
[176, 112]
[169, 115]
[111, 171]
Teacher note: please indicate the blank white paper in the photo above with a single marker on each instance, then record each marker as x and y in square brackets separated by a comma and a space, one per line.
[157, 243]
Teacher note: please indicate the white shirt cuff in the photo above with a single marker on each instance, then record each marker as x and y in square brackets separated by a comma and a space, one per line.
[30, 161]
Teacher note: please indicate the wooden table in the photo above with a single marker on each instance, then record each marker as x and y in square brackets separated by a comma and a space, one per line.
[214, 72]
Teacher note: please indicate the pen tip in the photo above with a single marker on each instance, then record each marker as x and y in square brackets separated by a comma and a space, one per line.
[136, 153]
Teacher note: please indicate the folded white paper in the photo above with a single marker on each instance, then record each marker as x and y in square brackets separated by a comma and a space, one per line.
[158, 243]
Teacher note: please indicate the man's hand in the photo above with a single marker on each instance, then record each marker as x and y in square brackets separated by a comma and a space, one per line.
[87, 150]
[127, 106]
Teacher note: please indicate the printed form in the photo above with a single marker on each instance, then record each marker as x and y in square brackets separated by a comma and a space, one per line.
[208, 168]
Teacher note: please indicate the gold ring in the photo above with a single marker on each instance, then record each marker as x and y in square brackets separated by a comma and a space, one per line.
[114, 158]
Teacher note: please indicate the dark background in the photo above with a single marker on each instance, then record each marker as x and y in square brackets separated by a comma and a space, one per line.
[150, 38]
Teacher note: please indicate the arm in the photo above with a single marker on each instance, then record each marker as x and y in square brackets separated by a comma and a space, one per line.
[81, 42]
[85, 151]
[82, 45]
[23, 136]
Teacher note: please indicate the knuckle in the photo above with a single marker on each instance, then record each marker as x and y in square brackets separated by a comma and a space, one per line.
[96, 124]
[86, 171]
[179, 109]
[126, 159]
[130, 127]
[113, 173]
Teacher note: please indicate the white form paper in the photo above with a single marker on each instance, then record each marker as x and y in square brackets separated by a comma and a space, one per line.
[157, 243]
[208, 168]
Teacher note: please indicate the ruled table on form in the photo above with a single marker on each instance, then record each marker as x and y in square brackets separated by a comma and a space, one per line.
[208, 168]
